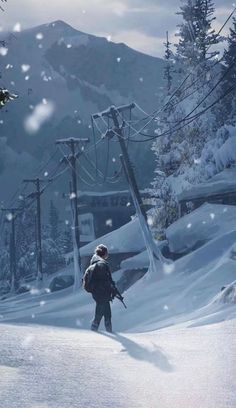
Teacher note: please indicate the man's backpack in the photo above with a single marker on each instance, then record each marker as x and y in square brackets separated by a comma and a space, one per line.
[88, 278]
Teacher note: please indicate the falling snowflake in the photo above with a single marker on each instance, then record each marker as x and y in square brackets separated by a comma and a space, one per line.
[72, 196]
[3, 51]
[45, 174]
[189, 225]
[113, 159]
[9, 216]
[38, 117]
[109, 223]
[168, 268]
[128, 204]
[150, 221]
[39, 36]
[109, 38]
[118, 59]
[25, 67]
[68, 46]
[67, 222]
[212, 216]
[141, 79]
[165, 307]
[42, 303]
[27, 77]
[17, 28]
[40, 46]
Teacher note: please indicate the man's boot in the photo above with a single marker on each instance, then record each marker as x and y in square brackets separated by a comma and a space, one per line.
[94, 326]
[108, 325]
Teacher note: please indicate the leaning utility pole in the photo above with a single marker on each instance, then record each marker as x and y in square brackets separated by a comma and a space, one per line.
[72, 143]
[11, 217]
[37, 194]
[113, 113]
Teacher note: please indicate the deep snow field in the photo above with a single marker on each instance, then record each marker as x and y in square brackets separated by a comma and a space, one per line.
[186, 291]
[174, 346]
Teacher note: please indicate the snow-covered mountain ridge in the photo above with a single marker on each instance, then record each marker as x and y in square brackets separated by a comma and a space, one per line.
[78, 74]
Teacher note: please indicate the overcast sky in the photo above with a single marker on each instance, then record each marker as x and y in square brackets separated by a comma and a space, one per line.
[141, 24]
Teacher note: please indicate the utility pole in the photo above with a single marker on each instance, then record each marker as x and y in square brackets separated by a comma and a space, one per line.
[37, 194]
[153, 250]
[113, 114]
[72, 144]
[11, 217]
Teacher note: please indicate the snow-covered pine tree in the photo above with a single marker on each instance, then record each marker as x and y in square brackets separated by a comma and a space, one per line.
[178, 153]
[169, 66]
[195, 33]
[25, 238]
[229, 103]
[53, 221]
[65, 240]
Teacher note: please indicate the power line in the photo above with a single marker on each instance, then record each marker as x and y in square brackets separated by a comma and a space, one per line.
[158, 111]
[188, 121]
[148, 137]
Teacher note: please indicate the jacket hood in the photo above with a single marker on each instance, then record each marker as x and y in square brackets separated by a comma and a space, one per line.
[96, 258]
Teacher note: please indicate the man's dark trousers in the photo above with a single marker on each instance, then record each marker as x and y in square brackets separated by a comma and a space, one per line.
[102, 309]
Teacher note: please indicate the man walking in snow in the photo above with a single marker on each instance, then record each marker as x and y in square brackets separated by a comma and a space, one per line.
[103, 288]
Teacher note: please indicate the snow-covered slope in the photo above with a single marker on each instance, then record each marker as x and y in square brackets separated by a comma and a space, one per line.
[206, 222]
[186, 295]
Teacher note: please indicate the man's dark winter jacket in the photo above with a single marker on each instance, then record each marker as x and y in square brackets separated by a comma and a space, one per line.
[103, 285]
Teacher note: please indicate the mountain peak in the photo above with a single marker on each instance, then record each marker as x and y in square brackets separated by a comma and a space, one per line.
[57, 26]
[60, 24]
